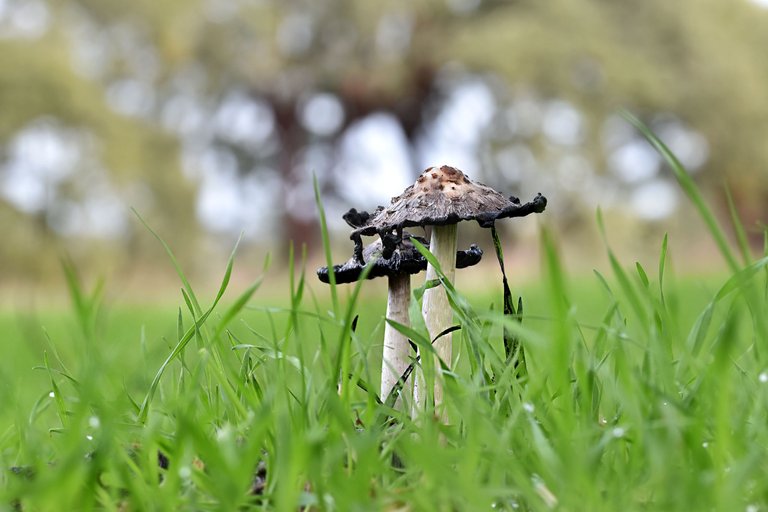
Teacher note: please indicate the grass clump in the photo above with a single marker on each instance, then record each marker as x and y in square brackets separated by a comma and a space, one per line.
[658, 404]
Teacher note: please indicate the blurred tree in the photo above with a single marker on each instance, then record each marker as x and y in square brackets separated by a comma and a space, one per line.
[362, 56]
[116, 155]
[701, 60]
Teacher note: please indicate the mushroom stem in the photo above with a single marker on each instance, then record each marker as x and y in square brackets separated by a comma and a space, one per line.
[436, 309]
[395, 357]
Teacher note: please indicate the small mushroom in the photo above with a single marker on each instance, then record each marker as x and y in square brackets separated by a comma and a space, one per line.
[404, 261]
[441, 198]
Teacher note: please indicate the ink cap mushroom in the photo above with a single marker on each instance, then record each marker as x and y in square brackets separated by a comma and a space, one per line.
[440, 198]
[404, 261]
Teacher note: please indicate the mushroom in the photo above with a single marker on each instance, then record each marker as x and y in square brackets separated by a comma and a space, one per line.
[405, 260]
[440, 198]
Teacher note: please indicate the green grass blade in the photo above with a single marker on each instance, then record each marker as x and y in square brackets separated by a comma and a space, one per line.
[190, 333]
[179, 325]
[174, 261]
[177, 350]
[642, 275]
[689, 187]
[412, 334]
[75, 291]
[624, 281]
[343, 353]
[738, 281]
[663, 266]
[228, 271]
[236, 307]
[741, 278]
[738, 228]
[765, 253]
[428, 255]
[513, 349]
[61, 407]
[326, 245]
[86, 305]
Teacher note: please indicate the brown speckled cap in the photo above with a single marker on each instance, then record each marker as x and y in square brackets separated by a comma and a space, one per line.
[405, 259]
[442, 195]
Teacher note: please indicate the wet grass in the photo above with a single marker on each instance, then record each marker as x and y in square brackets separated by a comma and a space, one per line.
[643, 392]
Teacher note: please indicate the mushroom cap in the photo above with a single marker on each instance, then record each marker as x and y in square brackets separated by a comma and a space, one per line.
[440, 196]
[406, 259]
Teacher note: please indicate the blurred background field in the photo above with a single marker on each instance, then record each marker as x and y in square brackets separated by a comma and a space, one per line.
[210, 118]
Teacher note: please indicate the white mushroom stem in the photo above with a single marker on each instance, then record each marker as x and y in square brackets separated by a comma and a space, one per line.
[436, 309]
[395, 358]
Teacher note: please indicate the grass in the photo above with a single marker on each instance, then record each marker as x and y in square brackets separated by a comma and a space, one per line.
[643, 392]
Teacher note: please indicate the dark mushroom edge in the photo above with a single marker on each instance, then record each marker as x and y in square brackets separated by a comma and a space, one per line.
[408, 261]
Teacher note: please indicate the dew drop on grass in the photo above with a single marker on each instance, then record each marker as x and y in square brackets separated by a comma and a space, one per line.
[185, 472]
[224, 433]
[52, 394]
[618, 432]
[543, 491]
[763, 377]
[528, 407]
[89, 437]
[505, 505]
[705, 444]
[752, 508]
[94, 422]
